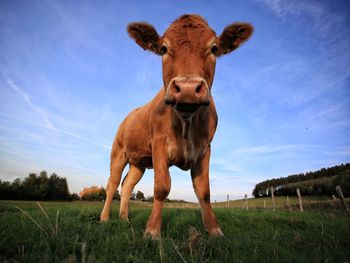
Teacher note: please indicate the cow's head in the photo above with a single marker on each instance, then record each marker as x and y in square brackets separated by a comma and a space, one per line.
[189, 49]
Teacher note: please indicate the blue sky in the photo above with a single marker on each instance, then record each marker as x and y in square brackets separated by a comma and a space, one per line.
[69, 74]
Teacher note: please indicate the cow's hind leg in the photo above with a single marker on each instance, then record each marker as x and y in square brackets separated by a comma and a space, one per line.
[132, 178]
[118, 163]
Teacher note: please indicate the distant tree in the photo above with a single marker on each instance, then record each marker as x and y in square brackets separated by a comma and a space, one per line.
[29, 186]
[343, 180]
[57, 188]
[74, 197]
[64, 190]
[93, 193]
[52, 187]
[117, 196]
[4, 189]
[150, 198]
[16, 190]
[36, 187]
[95, 196]
[133, 196]
[103, 195]
[42, 185]
[140, 196]
[309, 183]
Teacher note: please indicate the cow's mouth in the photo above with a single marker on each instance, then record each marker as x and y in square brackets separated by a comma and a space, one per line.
[187, 108]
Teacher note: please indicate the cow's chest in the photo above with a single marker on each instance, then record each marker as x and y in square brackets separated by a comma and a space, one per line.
[184, 152]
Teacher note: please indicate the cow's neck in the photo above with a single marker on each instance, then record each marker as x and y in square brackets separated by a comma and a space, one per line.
[190, 140]
[185, 124]
[182, 125]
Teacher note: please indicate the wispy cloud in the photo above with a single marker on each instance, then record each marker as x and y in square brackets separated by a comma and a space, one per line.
[283, 8]
[59, 131]
[264, 149]
[314, 15]
[17, 160]
[27, 99]
[42, 112]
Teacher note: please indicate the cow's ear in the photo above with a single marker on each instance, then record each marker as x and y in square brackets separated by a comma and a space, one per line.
[145, 36]
[233, 36]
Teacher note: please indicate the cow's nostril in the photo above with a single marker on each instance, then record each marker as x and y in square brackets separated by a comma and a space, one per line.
[177, 88]
[199, 88]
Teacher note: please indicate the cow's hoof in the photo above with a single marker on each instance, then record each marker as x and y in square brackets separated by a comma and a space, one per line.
[104, 218]
[216, 232]
[152, 234]
[124, 218]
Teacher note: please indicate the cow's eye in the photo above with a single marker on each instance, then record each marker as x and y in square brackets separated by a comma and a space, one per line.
[214, 50]
[163, 50]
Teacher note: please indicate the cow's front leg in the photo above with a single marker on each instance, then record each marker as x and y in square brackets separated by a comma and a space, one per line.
[162, 184]
[200, 180]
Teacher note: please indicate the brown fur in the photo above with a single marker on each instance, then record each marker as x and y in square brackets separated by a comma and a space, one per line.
[178, 125]
[190, 33]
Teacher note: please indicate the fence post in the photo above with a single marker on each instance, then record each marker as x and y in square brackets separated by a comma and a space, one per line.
[228, 201]
[341, 196]
[273, 198]
[264, 203]
[246, 202]
[300, 201]
[288, 204]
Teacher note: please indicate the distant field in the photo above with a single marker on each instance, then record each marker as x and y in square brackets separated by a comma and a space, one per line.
[309, 202]
[71, 232]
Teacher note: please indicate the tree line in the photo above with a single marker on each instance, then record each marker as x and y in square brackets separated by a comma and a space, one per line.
[41, 187]
[37, 187]
[321, 182]
[95, 193]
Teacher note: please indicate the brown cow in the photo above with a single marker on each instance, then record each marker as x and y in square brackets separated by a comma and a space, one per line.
[177, 126]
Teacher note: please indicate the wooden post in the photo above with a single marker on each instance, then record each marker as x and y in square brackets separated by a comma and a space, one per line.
[228, 201]
[273, 199]
[300, 201]
[288, 204]
[246, 202]
[264, 203]
[341, 196]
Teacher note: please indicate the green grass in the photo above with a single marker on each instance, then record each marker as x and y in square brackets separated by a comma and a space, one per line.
[75, 235]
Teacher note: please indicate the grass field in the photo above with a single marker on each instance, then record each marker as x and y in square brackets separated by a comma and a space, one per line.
[70, 232]
[309, 202]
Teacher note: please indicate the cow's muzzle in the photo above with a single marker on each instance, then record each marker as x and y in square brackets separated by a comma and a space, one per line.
[186, 107]
[187, 93]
